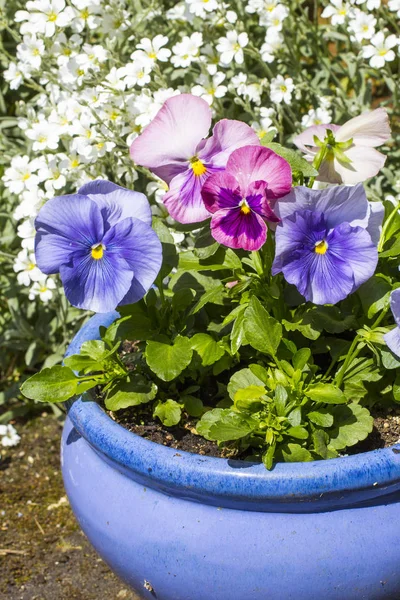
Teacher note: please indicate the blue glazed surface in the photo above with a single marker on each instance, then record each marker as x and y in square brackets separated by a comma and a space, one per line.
[196, 528]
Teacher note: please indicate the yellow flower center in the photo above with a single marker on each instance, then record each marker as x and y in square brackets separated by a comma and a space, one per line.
[383, 52]
[321, 247]
[31, 266]
[85, 14]
[244, 207]
[74, 163]
[26, 176]
[43, 289]
[98, 251]
[283, 88]
[198, 167]
[52, 17]
[42, 139]
[35, 52]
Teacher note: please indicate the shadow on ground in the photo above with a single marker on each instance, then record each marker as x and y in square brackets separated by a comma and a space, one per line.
[43, 554]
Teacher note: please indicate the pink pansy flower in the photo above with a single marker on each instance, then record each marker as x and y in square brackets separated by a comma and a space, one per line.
[174, 148]
[239, 197]
[351, 157]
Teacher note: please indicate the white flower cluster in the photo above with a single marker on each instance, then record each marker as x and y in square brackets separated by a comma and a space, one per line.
[98, 81]
[9, 436]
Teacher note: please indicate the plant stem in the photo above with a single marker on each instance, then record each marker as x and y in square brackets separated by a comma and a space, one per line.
[386, 226]
[317, 162]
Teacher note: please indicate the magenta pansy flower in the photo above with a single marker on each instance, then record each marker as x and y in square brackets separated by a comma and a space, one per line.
[239, 197]
[174, 148]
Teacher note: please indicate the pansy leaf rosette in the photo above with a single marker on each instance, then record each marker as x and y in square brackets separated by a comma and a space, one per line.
[240, 197]
[326, 241]
[101, 242]
[173, 146]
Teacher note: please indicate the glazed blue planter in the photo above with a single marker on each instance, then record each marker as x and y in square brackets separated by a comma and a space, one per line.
[179, 526]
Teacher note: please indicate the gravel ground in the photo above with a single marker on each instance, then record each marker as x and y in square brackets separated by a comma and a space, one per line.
[43, 553]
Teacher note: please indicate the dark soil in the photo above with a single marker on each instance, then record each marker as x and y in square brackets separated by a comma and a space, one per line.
[43, 553]
[385, 433]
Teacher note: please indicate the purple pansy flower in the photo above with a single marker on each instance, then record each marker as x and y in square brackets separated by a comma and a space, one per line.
[239, 197]
[174, 148]
[326, 241]
[101, 242]
[392, 338]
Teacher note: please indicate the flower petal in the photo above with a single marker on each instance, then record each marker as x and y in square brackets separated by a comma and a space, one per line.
[392, 340]
[369, 129]
[167, 144]
[305, 140]
[116, 202]
[139, 246]
[395, 305]
[97, 285]
[66, 224]
[257, 199]
[227, 136]
[366, 162]
[236, 230]
[221, 190]
[256, 163]
[183, 199]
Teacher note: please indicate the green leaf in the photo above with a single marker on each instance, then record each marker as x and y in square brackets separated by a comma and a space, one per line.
[353, 423]
[237, 333]
[205, 245]
[331, 319]
[295, 160]
[281, 397]
[56, 384]
[193, 406]
[389, 360]
[169, 253]
[321, 440]
[321, 417]
[223, 425]
[268, 457]
[268, 137]
[297, 432]
[241, 380]
[131, 392]
[295, 453]
[302, 323]
[374, 294]
[82, 363]
[207, 348]
[168, 361]
[301, 358]
[248, 399]
[214, 295]
[168, 412]
[327, 393]
[133, 325]
[263, 332]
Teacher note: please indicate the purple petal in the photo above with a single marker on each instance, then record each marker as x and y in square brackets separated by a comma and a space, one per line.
[221, 190]
[116, 202]
[395, 305]
[258, 201]
[171, 139]
[140, 248]
[392, 340]
[97, 285]
[234, 229]
[227, 136]
[66, 224]
[374, 227]
[183, 199]
[256, 163]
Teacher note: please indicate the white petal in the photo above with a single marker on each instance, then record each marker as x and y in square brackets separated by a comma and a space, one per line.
[369, 129]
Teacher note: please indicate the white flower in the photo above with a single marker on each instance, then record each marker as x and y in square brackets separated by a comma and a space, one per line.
[146, 106]
[186, 51]
[200, 8]
[371, 4]
[210, 90]
[231, 16]
[31, 51]
[43, 16]
[115, 79]
[274, 16]
[394, 5]
[9, 436]
[281, 89]
[265, 124]
[337, 12]
[152, 50]
[52, 177]
[159, 188]
[231, 47]
[380, 49]
[179, 12]
[15, 74]
[27, 232]
[43, 135]
[21, 174]
[137, 73]
[362, 25]
[86, 15]
[273, 42]
[30, 203]
[319, 116]
[25, 266]
[43, 288]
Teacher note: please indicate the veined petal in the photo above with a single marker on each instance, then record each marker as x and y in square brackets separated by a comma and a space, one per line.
[234, 229]
[392, 340]
[65, 224]
[139, 246]
[374, 226]
[167, 144]
[369, 129]
[116, 202]
[366, 162]
[183, 199]
[257, 199]
[227, 136]
[97, 285]
[256, 163]
[395, 305]
[221, 190]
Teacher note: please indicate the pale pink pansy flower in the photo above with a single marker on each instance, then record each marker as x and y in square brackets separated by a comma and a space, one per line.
[351, 155]
[174, 148]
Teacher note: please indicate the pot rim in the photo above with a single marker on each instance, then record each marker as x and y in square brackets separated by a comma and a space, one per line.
[349, 480]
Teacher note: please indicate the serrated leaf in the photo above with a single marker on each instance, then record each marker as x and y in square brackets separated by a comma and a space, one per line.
[241, 380]
[321, 417]
[223, 425]
[168, 412]
[262, 332]
[353, 423]
[168, 361]
[55, 384]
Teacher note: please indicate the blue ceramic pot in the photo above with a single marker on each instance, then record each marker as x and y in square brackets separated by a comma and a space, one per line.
[179, 526]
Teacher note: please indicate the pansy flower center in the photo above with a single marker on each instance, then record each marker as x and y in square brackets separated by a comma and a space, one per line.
[98, 251]
[321, 247]
[198, 167]
[244, 207]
